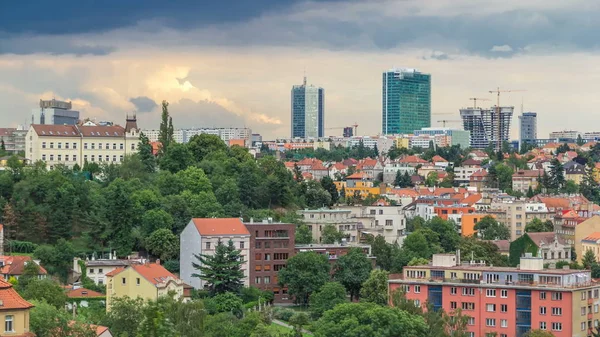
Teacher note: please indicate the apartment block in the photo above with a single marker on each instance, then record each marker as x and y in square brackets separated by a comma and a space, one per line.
[271, 244]
[522, 180]
[506, 301]
[515, 214]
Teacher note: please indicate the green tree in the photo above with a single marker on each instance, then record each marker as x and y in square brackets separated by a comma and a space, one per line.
[31, 272]
[326, 298]
[46, 320]
[163, 243]
[45, 290]
[570, 187]
[56, 259]
[330, 187]
[530, 193]
[204, 144]
[165, 135]
[155, 219]
[432, 179]
[369, 320]
[316, 196]
[557, 175]
[222, 271]
[155, 322]
[124, 316]
[225, 302]
[580, 140]
[417, 245]
[298, 174]
[382, 251]
[542, 333]
[536, 225]
[176, 158]
[352, 270]
[330, 234]
[305, 273]
[303, 235]
[588, 259]
[146, 154]
[482, 250]
[488, 228]
[375, 288]
[589, 186]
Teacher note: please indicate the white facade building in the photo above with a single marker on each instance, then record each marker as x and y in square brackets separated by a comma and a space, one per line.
[184, 135]
[201, 237]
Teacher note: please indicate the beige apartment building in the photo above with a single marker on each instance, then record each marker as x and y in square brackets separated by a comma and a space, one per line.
[76, 144]
[516, 214]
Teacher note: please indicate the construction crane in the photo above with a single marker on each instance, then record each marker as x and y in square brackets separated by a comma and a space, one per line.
[497, 116]
[475, 99]
[444, 121]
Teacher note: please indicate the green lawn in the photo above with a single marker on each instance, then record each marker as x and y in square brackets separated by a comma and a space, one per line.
[279, 328]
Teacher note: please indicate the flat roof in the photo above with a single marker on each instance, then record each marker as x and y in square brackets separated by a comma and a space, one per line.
[501, 269]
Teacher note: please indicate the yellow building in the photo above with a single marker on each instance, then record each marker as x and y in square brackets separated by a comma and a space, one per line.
[591, 242]
[583, 231]
[14, 312]
[148, 281]
[402, 142]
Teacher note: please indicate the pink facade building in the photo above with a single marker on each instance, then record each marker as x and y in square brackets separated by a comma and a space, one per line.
[503, 301]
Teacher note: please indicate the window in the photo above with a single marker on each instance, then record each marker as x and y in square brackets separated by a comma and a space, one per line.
[43, 145]
[115, 147]
[66, 157]
[583, 311]
[583, 293]
[417, 289]
[471, 334]
[268, 257]
[468, 291]
[74, 157]
[257, 256]
[107, 146]
[44, 157]
[490, 322]
[542, 325]
[133, 146]
[66, 145]
[453, 305]
[372, 212]
[418, 303]
[556, 296]
[91, 270]
[490, 293]
[75, 145]
[59, 157]
[504, 293]
[51, 157]
[389, 222]
[490, 307]
[100, 270]
[123, 281]
[242, 245]
[468, 305]
[556, 311]
[503, 323]
[121, 146]
[503, 308]
[542, 310]
[114, 157]
[59, 145]
[583, 325]
[137, 281]
[556, 326]
[278, 256]
[278, 267]
[595, 308]
[208, 245]
[93, 158]
[8, 323]
[503, 335]
[107, 158]
[51, 145]
[453, 291]
[542, 295]
[267, 279]
[121, 158]
[258, 267]
[471, 321]
[92, 145]
[99, 146]
[257, 280]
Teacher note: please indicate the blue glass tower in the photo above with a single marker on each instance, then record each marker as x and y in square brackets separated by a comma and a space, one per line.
[308, 111]
[406, 101]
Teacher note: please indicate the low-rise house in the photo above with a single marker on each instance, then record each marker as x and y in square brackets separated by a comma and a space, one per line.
[591, 242]
[439, 161]
[574, 172]
[462, 173]
[201, 236]
[82, 296]
[148, 281]
[14, 312]
[96, 269]
[479, 180]
[503, 246]
[523, 180]
[13, 266]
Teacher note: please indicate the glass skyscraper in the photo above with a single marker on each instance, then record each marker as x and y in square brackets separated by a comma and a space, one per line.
[406, 101]
[308, 111]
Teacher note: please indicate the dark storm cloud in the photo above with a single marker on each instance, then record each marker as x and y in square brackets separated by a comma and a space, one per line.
[143, 103]
[188, 113]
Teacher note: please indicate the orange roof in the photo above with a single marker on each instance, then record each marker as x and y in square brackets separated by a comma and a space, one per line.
[99, 329]
[448, 190]
[551, 146]
[14, 265]
[307, 175]
[438, 159]
[289, 163]
[528, 173]
[412, 159]
[480, 173]
[10, 298]
[368, 162]
[82, 293]
[471, 162]
[222, 226]
[357, 175]
[102, 131]
[592, 237]
[405, 192]
[318, 166]
[471, 199]
[48, 130]
[339, 166]
[153, 272]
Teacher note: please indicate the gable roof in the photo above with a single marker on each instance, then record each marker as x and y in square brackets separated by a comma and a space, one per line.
[102, 131]
[503, 245]
[542, 237]
[471, 162]
[594, 237]
[358, 175]
[471, 199]
[220, 226]
[43, 130]
[152, 272]
[14, 265]
[83, 293]
[413, 160]
[528, 173]
[438, 159]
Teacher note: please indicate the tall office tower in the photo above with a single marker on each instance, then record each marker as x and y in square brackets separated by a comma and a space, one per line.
[308, 111]
[53, 112]
[487, 126]
[406, 101]
[527, 127]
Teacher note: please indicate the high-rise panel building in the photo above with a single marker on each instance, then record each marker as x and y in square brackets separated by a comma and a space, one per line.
[308, 111]
[406, 101]
[487, 126]
[54, 112]
[527, 127]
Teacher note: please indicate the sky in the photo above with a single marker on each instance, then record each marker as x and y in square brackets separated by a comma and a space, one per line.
[232, 63]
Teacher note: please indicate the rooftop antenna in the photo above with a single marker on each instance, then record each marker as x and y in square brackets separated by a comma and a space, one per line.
[521, 105]
[304, 76]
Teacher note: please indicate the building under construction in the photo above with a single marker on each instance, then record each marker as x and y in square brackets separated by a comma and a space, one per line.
[487, 126]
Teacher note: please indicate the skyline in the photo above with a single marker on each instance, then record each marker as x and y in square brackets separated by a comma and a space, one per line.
[232, 64]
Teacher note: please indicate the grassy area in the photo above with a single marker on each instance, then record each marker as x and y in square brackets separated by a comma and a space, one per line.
[278, 328]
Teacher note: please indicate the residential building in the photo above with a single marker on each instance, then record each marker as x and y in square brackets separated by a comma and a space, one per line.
[54, 112]
[201, 236]
[226, 134]
[585, 230]
[523, 180]
[316, 219]
[14, 139]
[81, 297]
[255, 138]
[379, 219]
[457, 137]
[382, 143]
[406, 101]
[516, 214]
[591, 242]
[527, 128]
[148, 281]
[479, 180]
[271, 244]
[506, 301]
[569, 136]
[485, 128]
[548, 245]
[14, 265]
[593, 136]
[467, 222]
[334, 251]
[574, 171]
[308, 111]
[96, 269]
[14, 312]
[74, 144]
[565, 223]
[462, 173]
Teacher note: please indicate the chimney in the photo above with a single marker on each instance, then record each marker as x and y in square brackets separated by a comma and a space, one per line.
[158, 262]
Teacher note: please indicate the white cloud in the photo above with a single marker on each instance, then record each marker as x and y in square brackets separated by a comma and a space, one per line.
[502, 49]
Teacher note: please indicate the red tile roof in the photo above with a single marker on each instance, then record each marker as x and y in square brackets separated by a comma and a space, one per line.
[358, 175]
[480, 173]
[10, 298]
[438, 159]
[222, 226]
[471, 162]
[154, 273]
[102, 131]
[99, 329]
[592, 237]
[55, 130]
[543, 237]
[412, 160]
[405, 192]
[14, 265]
[83, 293]
[471, 199]
[528, 173]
